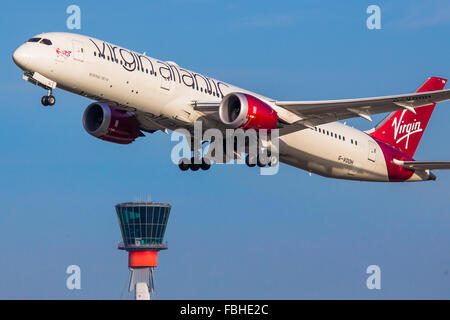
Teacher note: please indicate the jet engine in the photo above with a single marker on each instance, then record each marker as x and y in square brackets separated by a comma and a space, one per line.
[110, 123]
[241, 110]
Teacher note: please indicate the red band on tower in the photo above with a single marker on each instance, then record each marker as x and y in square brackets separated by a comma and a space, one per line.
[142, 259]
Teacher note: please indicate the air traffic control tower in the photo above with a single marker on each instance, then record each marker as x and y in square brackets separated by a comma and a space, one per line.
[143, 225]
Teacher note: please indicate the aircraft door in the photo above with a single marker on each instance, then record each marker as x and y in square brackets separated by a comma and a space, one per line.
[372, 151]
[78, 51]
[166, 84]
[168, 80]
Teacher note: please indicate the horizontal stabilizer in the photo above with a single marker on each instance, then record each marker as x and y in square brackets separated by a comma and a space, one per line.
[423, 165]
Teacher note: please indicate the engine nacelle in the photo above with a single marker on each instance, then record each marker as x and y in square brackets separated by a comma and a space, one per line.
[241, 110]
[111, 124]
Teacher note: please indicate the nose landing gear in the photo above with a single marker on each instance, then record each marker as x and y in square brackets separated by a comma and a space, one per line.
[43, 82]
[49, 99]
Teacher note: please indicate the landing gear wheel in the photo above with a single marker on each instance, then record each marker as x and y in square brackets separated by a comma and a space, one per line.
[273, 162]
[206, 164]
[262, 161]
[48, 100]
[194, 166]
[184, 164]
[51, 100]
[250, 161]
[44, 101]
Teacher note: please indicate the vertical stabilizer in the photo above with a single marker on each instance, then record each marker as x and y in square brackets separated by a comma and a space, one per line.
[403, 129]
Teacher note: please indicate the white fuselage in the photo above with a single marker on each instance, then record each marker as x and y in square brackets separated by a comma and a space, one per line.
[164, 93]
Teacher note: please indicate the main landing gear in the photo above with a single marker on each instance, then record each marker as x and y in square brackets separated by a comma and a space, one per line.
[186, 164]
[204, 164]
[49, 99]
[252, 161]
[197, 161]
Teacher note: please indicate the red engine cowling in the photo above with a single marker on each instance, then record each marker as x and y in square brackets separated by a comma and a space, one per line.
[111, 124]
[241, 110]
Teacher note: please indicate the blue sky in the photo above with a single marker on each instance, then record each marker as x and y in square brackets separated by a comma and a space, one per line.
[232, 233]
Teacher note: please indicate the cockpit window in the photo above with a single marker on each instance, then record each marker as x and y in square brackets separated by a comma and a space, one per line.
[46, 41]
[41, 40]
[34, 40]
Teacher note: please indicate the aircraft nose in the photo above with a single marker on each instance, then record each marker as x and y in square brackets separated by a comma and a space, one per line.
[21, 56]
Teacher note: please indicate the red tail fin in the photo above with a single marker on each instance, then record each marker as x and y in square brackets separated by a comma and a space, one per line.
[404, 129]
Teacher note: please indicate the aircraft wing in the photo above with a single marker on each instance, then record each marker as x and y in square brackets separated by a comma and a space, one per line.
[313, 113]
[423, 165]
[307, 114]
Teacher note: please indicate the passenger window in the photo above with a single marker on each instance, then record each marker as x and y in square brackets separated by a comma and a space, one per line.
[356, 143]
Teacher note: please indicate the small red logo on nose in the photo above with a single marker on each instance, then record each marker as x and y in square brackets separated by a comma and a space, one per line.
[63, 53]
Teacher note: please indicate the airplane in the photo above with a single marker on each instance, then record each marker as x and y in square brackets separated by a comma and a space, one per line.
[134, 93]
